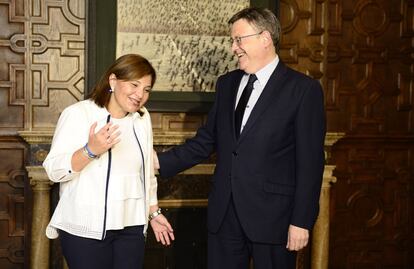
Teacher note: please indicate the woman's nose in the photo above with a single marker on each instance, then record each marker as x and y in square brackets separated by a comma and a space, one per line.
[139, 92]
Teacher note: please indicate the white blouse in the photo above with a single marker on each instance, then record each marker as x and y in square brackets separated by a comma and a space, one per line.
[125, 192]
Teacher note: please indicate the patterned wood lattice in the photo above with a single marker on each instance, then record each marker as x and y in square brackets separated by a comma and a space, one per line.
[369, 95]
[303, 36]
[371, 225]
[362, 52]
[13, 217]
[42, 67]
[42, 48]
[369, 72]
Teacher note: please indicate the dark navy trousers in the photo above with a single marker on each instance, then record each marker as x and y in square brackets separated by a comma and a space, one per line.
[230, 248]
[120, 249]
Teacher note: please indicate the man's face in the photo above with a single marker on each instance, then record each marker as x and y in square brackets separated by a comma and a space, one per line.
[248, 46]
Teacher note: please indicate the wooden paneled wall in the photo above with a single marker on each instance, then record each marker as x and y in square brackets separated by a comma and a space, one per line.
[42, 51]
[368, 83]
[362, 52]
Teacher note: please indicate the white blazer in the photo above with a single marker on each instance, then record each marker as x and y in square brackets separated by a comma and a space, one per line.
[81, 208]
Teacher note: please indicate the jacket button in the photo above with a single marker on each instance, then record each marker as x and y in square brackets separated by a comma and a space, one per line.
[234, 153]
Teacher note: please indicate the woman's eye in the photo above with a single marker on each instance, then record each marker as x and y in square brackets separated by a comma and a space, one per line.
[134, 84]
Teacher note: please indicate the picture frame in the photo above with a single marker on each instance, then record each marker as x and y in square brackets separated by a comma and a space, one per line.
[101, 52]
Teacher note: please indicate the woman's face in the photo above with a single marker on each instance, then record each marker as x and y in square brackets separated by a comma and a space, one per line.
[128, 96]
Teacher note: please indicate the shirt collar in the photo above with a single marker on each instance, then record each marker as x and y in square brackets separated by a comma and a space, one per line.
[263, 75]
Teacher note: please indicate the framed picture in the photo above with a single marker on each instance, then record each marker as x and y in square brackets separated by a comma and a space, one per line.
[186, 41]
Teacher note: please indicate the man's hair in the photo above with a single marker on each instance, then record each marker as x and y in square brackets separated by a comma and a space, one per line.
[126, 67]
[262, 19]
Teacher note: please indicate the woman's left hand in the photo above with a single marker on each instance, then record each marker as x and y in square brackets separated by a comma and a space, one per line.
[162, 230]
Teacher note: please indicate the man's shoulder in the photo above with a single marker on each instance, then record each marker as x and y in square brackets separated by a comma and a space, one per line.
[232, 74]
[298, 75]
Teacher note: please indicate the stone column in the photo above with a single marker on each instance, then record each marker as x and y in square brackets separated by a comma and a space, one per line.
[320, 233]
[41, 186]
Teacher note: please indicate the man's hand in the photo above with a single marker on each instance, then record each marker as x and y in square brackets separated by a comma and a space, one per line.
[297, 238]
[155, 160]
[162, 230]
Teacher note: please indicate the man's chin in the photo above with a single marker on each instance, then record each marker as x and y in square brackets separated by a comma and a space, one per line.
[243, 65]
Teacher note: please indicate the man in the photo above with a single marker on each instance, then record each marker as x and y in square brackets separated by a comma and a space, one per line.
[265, 189]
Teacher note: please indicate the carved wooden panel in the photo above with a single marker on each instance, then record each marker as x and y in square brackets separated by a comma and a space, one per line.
[369, 72]
[371, 225]
[176, 122]
[42, 50]
[303, 39]
[12, 68]
[13, 216]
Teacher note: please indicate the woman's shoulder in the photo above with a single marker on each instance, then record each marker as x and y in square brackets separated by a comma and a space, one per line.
[85, 106]
[79, 105]
[81, 110]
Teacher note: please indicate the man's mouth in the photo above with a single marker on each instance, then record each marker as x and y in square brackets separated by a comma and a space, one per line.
[240, 54]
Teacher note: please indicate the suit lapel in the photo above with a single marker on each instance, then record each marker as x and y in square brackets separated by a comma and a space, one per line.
[274, 83]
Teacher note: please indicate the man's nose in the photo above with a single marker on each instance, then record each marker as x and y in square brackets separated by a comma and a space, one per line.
[234, 46]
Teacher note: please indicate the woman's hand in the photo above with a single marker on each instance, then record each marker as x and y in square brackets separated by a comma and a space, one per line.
[162, 230]
[104, 139]
[98, 143]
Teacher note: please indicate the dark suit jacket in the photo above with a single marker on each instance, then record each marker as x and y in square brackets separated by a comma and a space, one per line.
[274, 171]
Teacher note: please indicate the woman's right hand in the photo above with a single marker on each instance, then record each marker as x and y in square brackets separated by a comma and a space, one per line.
[104, 139]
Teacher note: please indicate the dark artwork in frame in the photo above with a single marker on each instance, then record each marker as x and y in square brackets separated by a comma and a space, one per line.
[102, 51]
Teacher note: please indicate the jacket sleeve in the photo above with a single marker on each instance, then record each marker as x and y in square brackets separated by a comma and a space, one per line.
[71, 133]
[195, 149]
[153, 198]
[310, 131]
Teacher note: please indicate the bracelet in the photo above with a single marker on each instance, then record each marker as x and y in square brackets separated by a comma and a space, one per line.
[154, 214]
[88, 153]
[85, 153]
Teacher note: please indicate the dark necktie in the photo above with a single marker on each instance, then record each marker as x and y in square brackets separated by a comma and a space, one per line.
[241, 106]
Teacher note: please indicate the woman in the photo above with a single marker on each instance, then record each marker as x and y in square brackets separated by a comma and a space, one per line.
[101, 155]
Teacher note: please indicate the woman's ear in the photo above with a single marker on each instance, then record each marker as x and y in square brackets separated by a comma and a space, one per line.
[112, 80]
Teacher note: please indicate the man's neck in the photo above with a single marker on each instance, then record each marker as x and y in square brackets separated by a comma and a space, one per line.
[267, 60]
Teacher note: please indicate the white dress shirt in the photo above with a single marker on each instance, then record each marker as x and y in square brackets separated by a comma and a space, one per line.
[263, 76]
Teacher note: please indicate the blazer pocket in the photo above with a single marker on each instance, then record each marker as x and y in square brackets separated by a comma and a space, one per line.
[277, 188]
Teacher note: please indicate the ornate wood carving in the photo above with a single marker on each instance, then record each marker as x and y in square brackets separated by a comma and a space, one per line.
[368, 87]
[42, 49]
[373, 198]
[43, 64]
[369, 77]
[13, 216]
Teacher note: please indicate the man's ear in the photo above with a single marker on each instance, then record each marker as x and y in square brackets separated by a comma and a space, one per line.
[267, 37]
